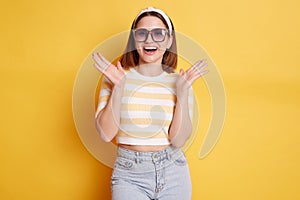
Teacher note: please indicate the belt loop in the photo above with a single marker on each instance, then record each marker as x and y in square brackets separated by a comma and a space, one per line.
[169, 155]
[136, 157]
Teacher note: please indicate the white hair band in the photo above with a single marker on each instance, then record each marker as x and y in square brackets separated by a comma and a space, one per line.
[164, 15]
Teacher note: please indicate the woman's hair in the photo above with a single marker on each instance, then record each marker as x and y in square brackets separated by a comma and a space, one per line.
[131, 57]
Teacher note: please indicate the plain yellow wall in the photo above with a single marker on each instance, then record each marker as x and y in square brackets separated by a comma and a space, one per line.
[254, 43]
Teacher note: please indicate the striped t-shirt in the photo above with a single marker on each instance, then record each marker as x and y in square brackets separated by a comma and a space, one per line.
[147, 107]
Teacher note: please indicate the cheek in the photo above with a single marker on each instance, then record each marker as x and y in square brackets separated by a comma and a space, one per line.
[138, 46]
[163, 45]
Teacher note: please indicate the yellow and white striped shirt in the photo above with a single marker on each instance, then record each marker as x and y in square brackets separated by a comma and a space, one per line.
[147, 107]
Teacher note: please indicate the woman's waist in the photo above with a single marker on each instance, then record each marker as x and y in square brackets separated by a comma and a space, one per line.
[144, 148]
[153, 154]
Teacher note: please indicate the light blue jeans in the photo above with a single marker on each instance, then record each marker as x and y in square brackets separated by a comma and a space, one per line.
[162, 175]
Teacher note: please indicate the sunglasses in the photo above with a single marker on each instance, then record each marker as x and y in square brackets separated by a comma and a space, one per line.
[157, 34]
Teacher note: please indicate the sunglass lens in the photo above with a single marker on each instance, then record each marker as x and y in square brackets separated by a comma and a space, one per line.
[158, 34]
[141, 34]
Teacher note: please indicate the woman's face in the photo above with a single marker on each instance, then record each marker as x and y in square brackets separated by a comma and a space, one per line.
[152, 49]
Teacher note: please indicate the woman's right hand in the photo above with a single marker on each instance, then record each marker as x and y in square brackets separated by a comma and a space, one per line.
[114, 73]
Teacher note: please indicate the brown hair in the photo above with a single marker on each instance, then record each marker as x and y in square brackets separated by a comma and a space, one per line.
[131, 57]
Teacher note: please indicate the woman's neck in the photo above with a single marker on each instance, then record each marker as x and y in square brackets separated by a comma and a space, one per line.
[149, 69]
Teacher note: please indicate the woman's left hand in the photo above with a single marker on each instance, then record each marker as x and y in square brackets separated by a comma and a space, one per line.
[186, 78]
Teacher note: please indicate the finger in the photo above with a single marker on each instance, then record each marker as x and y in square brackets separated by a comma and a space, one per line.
[204, 72]
[181, 72]
[192, 68]
[197, 75]
[196, 65]
[192, 71]
[99, 67]
[103, 59]
[119, 66]
[194, 77]
[200, 73]
[98, 60]
[201, 67]
[196, 70]
[199, 62]
[191, 81]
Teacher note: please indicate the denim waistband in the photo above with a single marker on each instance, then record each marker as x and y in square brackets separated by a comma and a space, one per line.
[167, 153]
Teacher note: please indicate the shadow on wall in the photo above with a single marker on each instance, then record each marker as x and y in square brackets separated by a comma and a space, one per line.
[101, 186]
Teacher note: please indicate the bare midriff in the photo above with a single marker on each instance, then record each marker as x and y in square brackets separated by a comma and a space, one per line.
[144, 148]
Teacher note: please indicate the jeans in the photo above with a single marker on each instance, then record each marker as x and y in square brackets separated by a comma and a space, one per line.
[162, 175]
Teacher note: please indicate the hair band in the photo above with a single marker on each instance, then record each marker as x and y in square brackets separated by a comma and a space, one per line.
[164, 15]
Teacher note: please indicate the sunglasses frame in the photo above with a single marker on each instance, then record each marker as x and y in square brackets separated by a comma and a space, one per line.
[166, 32]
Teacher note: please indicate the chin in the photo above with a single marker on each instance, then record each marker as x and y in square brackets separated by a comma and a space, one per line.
[151, 59]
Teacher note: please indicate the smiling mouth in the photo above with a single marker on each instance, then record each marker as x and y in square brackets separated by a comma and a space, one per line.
[150, 49]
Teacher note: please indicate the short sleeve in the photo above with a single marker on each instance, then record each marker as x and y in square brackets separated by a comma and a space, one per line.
[191, 102]
[105, 91]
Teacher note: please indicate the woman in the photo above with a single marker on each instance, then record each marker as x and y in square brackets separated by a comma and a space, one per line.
[148, 108]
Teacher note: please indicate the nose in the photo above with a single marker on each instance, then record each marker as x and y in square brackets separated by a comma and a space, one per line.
[149, 38]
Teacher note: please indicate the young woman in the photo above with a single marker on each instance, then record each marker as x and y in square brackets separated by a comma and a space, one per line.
[148, 108]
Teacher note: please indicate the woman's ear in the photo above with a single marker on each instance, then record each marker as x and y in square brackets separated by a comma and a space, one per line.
[170, 41]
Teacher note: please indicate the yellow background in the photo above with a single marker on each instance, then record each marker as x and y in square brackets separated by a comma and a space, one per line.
[254, 43]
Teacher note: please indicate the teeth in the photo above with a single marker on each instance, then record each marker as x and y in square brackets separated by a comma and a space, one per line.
[150, 48]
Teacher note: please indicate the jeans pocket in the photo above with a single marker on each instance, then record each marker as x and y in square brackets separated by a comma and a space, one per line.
[124, 164]
[180, 161]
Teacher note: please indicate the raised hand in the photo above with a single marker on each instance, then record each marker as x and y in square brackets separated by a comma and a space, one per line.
[114, 73]
[186, 78]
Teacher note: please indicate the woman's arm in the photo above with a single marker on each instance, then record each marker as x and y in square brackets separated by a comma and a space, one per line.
[181, 126]
[108, 119]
